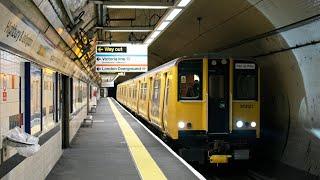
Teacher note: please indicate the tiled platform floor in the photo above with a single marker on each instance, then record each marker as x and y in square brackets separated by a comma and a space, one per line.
[101, 152]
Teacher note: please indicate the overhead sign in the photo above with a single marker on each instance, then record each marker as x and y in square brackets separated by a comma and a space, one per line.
[109, 49]
[245, 66]
[116, 58]
[107, 84]
[108, 77]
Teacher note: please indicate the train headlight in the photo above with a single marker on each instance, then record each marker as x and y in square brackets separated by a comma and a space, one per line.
[239, 124]
[181, 125]
[253, 124]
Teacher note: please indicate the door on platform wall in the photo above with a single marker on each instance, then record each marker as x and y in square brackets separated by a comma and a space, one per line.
[59, 97]
[66, 96]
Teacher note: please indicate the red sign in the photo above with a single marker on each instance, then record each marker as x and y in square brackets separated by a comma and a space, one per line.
[4, 96]
[4, 89]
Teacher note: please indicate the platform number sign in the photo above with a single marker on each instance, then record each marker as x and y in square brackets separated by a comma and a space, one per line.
[4, 88]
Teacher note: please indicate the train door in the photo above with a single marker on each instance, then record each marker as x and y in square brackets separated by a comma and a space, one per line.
[165, 102]
[218, 96]
[150, 88]
[138, 91]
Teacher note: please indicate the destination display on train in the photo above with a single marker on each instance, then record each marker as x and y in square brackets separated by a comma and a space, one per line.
[113, 58]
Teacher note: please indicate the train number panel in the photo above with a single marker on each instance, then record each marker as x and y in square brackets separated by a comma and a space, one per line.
[209, 107]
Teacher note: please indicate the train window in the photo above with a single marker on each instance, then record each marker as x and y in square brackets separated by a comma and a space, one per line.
[134, 91]
[143, 91]
[190, 80]
[245, 85]
[156, 97]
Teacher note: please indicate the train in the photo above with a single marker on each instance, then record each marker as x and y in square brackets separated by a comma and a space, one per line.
[209, 107]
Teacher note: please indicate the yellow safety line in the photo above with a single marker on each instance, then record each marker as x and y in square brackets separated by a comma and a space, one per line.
[147, 167]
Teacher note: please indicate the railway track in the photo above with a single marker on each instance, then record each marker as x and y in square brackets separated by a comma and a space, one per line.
[211, 172]
[230, 175]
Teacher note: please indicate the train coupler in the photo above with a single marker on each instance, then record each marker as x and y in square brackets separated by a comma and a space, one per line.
[219, 159]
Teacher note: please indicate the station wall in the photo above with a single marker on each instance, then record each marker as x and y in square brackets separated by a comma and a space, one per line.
[31, 71]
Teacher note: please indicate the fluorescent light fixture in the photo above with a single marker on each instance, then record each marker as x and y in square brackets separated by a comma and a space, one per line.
[184, 3]
[129, 30]
[163, 25]
[173, 14]
[155, 34]
[136, 7]
[149, 41]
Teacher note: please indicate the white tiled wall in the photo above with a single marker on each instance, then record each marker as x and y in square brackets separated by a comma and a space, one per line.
[75, 123]
[11, 69]
[39, 165]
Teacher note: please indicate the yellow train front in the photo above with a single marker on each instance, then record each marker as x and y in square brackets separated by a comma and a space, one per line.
[210, 107]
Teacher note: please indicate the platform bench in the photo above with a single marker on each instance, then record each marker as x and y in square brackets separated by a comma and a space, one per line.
[88, 118]
[93, 109]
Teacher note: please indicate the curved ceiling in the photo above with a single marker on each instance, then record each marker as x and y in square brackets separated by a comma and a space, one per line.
[282, 35]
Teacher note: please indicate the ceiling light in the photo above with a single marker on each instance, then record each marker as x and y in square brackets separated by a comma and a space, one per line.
[155, 34]
[173, 14]
[136, 7]
[149, 41]
[184, 3]
[129, 30]
[163, 25]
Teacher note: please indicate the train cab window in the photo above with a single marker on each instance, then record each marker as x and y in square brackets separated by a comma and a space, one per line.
[246, 84]
[190, 80]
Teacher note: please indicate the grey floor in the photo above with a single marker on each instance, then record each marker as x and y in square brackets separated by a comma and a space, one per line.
[101, 152]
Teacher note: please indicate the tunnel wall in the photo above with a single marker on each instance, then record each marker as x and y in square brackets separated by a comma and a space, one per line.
[283, 36]
[290, 63]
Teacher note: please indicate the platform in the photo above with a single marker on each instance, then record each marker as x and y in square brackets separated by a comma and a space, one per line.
[119, 147]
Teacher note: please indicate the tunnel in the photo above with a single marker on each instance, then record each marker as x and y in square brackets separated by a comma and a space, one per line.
[281, 36]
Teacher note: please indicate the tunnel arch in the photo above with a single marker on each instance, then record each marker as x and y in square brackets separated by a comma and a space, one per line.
[282, 36]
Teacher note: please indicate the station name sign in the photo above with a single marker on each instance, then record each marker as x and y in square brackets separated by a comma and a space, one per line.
[119, 58]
